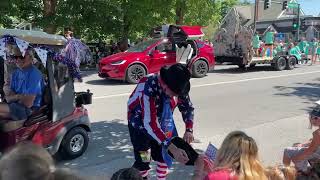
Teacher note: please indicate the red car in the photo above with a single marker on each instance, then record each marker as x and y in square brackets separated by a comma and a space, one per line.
[149, 56]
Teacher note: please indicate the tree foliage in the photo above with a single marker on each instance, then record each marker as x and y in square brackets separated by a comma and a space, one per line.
[119, 19]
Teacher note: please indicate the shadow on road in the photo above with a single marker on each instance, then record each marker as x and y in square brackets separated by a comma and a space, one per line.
[310, 92]
[106, 82]
[237, 70]
[89, 73]
[109, 150]
[108, 141]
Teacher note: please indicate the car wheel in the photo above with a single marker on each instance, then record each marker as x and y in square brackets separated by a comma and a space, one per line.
[291, 63]
[280, 64]
[200, 68]
[135, 73]
[74, 144]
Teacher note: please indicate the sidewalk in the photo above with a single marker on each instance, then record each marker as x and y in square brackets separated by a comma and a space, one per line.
[88, 68]
[271, 137]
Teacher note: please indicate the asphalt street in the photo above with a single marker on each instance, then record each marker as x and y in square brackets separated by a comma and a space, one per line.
[271, 106]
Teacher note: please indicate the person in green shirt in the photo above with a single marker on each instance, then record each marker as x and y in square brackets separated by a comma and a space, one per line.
[313, 48]
[304, 47]
[318, 51]
[303, 44]
[269, 40]
[256, 44]
[295, 51]
[279, 47]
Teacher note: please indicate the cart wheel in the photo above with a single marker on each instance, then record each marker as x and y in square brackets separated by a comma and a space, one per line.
[280, 63]
[74, 144]
[291, 63]
[200, 68]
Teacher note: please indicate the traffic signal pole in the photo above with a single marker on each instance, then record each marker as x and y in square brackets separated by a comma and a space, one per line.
[255, 18]
[299, 23]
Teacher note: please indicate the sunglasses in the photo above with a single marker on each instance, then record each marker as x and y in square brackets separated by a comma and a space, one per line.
[16, 57]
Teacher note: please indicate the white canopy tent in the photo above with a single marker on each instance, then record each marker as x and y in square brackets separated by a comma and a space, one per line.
[35, 37]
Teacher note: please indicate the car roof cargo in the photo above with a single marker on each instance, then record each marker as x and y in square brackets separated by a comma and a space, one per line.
[182, 33]
[192, 31]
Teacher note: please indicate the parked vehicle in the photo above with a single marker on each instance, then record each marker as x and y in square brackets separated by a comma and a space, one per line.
[62, 123]
[233, 44]
[149, 56]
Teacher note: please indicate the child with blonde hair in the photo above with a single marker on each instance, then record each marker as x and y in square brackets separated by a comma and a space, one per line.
[281, 173]
[237, 159]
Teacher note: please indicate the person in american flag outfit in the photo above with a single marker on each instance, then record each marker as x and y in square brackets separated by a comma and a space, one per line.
[148, 113]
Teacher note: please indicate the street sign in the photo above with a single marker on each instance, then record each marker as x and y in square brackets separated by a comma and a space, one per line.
[293, 5]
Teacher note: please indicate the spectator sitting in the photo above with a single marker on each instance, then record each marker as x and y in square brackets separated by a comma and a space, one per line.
[295, 51]
[281, 173]
[8, 68]
[237, 158]
[68, 35]
[1, 79]
[300, 154]
[25, 89]
[112, 47]
[127, 174]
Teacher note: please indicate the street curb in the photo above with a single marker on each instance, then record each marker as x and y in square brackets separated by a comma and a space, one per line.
[88, 69]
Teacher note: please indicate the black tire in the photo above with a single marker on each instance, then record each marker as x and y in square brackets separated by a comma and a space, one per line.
[134, 73]
[242, 66]
[200, 69]
[291, 63]
[253, 65]
[70, 147]
[280, 63]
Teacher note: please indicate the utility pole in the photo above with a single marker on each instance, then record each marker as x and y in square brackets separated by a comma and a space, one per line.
[299, 23]
[256, 14]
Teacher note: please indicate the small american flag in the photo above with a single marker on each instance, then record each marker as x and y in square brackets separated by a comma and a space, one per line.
[211, 152]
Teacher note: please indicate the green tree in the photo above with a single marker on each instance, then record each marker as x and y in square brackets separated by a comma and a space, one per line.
[120, 19]
[4, 9]
[245, 2]
[38, 12]
[221, 8]
[225, 6]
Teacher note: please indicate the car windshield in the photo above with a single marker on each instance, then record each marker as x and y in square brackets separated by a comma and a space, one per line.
[140, 47]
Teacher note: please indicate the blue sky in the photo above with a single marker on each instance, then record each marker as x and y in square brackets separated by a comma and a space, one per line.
[310, 7]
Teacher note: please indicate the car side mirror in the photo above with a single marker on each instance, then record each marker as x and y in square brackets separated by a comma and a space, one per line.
[154, 52]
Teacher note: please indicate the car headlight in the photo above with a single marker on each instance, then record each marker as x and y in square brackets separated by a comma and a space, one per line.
[118, 62]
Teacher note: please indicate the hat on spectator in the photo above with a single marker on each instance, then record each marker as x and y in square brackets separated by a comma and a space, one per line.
[177, 78]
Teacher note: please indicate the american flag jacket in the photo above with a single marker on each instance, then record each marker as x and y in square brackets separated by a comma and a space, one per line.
[145, 107]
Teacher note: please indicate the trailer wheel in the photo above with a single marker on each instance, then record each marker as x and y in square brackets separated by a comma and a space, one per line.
[280, 64]
[291, 63]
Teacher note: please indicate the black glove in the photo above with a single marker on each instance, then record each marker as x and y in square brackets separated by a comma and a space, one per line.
[180, 143]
